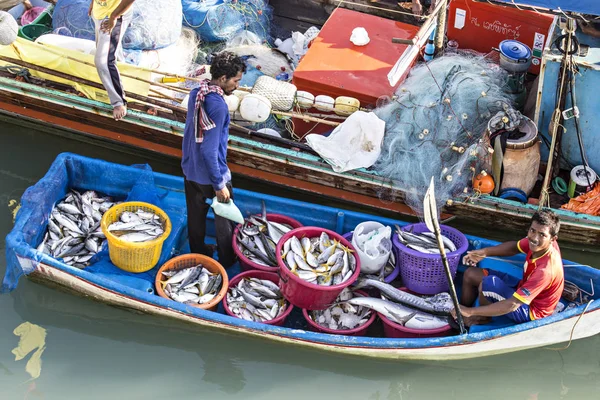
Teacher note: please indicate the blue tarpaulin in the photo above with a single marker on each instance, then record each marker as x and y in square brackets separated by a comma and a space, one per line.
[579, 6]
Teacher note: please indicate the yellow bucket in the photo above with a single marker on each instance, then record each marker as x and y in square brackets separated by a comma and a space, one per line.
[134, 257]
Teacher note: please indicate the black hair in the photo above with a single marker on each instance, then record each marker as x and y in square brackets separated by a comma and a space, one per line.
[226, 63]
[547, 217]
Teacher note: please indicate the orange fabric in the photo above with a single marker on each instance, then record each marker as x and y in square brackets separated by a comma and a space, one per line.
[587, 203]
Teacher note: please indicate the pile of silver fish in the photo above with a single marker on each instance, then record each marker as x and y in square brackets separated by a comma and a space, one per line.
[319, 260]
[74, 232]
[192, 285]
[258, 238]
[342, 315]
[401, 314]
[405, 308]
[440, 304]
[256, 300]
[139, 226]
[424, 242]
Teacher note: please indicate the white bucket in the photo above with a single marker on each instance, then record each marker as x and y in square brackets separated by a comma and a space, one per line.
[368, 264]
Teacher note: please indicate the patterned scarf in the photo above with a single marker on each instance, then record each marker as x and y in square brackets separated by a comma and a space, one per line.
[202, 121]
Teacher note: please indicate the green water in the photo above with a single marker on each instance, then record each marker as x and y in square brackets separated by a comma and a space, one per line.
[94, 351]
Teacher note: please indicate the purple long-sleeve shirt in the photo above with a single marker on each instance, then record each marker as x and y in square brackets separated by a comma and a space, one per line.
[206, 163]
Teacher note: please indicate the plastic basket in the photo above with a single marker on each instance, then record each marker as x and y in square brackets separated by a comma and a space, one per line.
[134, 257]
[424, 273]
[191, 260]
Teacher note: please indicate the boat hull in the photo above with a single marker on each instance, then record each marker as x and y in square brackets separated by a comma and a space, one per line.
[483, 344]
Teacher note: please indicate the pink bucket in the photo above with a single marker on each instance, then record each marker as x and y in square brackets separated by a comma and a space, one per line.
[248, 265]
[30, 15]
[304, 294]
[394, 330]
[358, 331]
[279, 321]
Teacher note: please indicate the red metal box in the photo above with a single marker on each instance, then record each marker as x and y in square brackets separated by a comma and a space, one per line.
[482, 26]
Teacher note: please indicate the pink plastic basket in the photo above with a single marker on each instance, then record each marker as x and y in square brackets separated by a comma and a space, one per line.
[424, 273]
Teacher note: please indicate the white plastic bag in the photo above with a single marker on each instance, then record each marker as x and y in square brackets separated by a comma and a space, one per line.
[356, 143]
[373, 245]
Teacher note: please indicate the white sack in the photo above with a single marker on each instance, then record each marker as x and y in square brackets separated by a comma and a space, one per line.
[356, 143]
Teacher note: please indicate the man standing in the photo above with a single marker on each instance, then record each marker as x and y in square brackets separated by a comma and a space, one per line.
[111, 19]
[204, 159]
[536, 295]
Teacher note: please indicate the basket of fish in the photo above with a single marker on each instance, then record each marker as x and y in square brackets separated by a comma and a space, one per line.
[392, 268]
[254, 242]
[315, 265]
[135, 232]
[193, 279]
[255, 296]
[342, 318]
[421, 266]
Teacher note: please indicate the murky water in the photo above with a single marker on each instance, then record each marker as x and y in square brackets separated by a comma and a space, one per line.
[93, 351]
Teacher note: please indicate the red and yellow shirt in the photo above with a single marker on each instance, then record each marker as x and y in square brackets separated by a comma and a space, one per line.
[543, 280]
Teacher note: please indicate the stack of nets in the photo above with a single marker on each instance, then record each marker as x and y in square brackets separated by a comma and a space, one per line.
[220, 20]
[437, 126]
[155, 23]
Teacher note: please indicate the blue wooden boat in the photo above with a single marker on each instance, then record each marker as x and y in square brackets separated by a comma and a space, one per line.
[104, 282]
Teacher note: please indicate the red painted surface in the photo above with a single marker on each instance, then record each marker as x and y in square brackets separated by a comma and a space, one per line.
[333, 66]
[486, 25]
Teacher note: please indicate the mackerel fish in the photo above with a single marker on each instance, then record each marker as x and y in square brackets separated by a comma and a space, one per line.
[319, 260]
[138, 226]
[342, 315]
[256, 300]
[192, 285]
[401, 314]
[258, 237]
[440, 304]
[73, 233]
[424, 242]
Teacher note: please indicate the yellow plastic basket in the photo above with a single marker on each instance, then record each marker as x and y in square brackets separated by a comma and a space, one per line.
[134, 257]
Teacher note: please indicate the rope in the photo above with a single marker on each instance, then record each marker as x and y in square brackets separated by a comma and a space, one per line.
[18, 72]
[572, 331]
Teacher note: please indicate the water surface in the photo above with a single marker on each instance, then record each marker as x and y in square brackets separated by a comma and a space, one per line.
[94, 351]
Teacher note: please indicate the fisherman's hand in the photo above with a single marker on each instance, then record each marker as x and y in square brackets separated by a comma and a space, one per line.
[466, 312]
[473, 257]
[417, 8]
[223, 195]
[107, 25]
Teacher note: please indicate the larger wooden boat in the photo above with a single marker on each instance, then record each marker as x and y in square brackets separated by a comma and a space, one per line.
[281, 162]
[107, 284]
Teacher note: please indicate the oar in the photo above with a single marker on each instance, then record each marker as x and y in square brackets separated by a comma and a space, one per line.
[430, 211]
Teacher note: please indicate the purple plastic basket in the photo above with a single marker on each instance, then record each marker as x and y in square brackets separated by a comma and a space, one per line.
[424, 273]
[396, 271]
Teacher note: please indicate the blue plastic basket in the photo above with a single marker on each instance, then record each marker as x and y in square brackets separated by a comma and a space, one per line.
[424, 273]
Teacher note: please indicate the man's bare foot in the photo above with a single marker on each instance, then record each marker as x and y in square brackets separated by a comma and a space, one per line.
[119, 112]
[417, 8]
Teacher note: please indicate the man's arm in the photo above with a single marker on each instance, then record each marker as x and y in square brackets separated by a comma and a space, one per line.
[506, 249]
[491, 310]
[122, 8]
[211, 141]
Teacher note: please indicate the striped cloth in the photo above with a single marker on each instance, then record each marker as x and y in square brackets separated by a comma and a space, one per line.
[202, 121]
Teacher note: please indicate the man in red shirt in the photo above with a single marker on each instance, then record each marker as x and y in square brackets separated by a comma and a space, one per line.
[536, 295]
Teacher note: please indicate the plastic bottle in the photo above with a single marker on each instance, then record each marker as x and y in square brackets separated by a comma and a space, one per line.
[283, 76]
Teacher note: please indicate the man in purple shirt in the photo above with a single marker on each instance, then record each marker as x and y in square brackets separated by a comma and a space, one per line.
[204, 160]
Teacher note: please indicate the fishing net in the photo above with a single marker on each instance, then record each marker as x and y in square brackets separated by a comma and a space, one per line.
[155, 23]
[437, 127]
[220, 20]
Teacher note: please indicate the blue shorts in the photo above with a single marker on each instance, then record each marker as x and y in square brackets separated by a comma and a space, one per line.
[499, 286]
